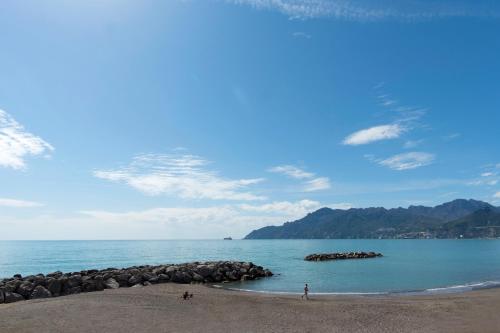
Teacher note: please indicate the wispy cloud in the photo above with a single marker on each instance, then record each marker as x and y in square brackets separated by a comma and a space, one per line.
[405, 119]
[487, 178]
[412, 143]
[341, 205]
[366, 10]
[408, 161]
[16, 143]
[292, 171]
[300, 34]
[286, 208]
[14, 203]
[373, 134]
[209, 222]
[310, 183]
[452, 136]
[317, 184]
[496, 195]
[186, 176]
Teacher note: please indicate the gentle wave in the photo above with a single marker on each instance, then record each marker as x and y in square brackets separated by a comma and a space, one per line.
[431, 291]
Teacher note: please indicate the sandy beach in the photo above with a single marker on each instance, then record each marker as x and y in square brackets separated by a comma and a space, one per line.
[159, 308]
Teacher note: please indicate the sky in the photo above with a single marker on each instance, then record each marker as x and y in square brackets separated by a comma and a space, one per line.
[199, 119]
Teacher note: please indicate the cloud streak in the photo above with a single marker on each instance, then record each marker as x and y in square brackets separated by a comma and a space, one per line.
[408, 161]
[291, 171]
[14, 203]
[185, 176]
[16, 143]
[373, 134]
[310, 183]
[366, 10]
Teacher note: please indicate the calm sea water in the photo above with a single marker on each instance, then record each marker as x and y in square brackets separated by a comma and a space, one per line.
[407, 265]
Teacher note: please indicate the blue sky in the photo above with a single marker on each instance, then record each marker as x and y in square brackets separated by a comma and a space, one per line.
[203, 119]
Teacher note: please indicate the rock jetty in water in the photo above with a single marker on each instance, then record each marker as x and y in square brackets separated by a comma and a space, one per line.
[341, 256]
[56, 284]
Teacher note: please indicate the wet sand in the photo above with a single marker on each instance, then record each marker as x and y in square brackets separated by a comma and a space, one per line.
[159, 308]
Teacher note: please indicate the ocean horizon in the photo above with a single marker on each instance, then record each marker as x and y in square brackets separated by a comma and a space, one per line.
[407, 266]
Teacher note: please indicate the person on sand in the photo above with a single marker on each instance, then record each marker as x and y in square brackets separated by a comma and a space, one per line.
[187, 295]
[306, 292]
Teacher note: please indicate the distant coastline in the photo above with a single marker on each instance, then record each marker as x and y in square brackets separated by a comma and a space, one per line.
[452, 220]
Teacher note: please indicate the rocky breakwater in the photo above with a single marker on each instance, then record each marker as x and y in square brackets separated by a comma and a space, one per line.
[341, 256]
[56, 284]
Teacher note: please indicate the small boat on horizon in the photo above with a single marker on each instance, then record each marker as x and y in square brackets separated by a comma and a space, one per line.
[228, 238]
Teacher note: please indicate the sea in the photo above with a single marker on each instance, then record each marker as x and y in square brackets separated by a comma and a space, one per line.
[407, 266]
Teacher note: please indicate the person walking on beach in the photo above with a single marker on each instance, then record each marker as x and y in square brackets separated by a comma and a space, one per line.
[306, 292]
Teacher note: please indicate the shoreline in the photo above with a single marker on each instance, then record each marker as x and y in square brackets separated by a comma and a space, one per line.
[449, 290]
[159, 308]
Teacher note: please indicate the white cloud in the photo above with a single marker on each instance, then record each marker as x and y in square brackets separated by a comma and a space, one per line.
[341, 205]
[372, 134]
[317, 184]
[213, 221]
[452, 136]
[291, 171]
[310, 183]
[487, 174]
[16, 143]
[202, 222]
[408, 161]
[182, 175]
[497, 195]
[285, 208]
[366, 10]
[5, 202]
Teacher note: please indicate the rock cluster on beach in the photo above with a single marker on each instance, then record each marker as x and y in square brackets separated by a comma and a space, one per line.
[55, 284]
[340, 256]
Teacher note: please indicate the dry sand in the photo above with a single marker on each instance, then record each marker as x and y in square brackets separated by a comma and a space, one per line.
[159, 308]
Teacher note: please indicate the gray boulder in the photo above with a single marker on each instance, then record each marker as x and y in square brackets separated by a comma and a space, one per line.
[54, 286]
[99, 283]
[163, 278]
[2, 297]
[10, 297]
[159, 270]
[112, 284]
[88, 285]
[11, 286]
[74, 281]
[74, 290]
[148, 276]
[205, 270]
[40, 292]
[39, 280]
[135, 279]
[181, 277]
[25, 289]
[122, 279]
[197, 277]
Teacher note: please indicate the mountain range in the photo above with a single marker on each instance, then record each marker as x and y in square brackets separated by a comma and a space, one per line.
[456, 219]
